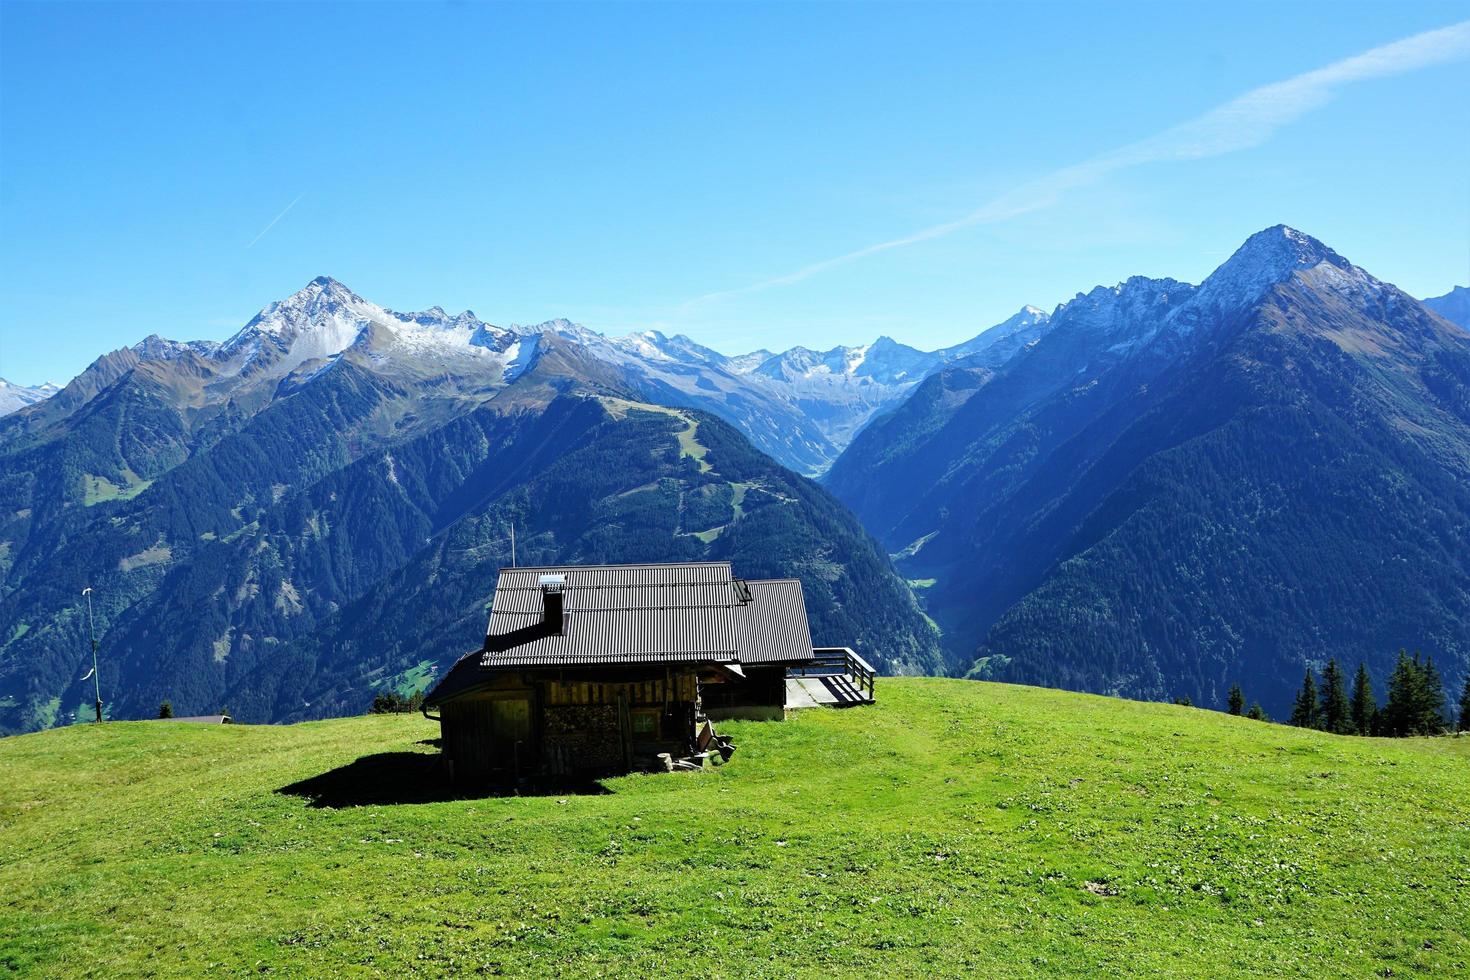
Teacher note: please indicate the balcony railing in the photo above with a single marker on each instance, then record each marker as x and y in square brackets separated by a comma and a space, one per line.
[839, 661]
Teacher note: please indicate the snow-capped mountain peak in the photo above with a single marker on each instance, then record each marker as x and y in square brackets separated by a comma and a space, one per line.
[1270, 257]
[1002, 340]
[1113, 309]
[320, 299]
[325, 318]
[1265, 260]
[560, 326]
[14, 397]
[320, 320]
[746, 363]
[156, 348]
[1279, 250]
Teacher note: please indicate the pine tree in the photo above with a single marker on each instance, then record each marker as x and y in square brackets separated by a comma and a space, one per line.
[1257, 713]
[1236, 700]
[1416, 699]
[1336, 715]
[1432, 708]
[1304, 712]
[1465, 706]
[166, 710]
[1364, 705]
[1398, 708]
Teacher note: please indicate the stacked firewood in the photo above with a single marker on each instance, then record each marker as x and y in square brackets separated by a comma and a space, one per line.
[573, 719]
[586, 733]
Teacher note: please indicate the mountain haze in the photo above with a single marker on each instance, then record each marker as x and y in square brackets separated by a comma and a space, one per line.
[14, 397]
[1454, 305]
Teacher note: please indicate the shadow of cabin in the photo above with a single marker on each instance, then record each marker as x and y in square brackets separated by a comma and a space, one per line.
[391, 778]
[594, 670]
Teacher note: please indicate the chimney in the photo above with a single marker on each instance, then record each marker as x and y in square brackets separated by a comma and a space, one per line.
[551, 601]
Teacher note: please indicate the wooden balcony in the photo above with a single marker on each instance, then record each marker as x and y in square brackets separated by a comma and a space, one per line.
[835, 677]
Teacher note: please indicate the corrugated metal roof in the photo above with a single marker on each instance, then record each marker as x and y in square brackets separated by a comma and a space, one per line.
[776, 627]
[647, 614]
[660, 568]
[615, 588]
[619, 614]
[638, 614]
[519, 658]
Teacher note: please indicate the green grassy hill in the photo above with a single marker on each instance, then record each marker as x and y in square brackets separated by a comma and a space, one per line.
[956, 826]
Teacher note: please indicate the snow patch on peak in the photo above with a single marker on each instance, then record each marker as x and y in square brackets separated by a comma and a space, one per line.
[748, 363]
[321, 319]
[1107, 308]
[325, 318]
[156, 348]
[1024, 318]
[997, 343]
[1266, 258]
[561, 327]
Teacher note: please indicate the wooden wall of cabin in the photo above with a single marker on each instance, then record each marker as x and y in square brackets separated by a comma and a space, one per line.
[593, 723]
[491, 732]
[564, 722]
[761, 694]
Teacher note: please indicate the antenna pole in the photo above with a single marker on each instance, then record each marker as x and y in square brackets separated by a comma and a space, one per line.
[92, 635]
[512, 544]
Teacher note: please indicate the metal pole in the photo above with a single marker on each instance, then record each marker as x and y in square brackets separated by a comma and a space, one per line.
[512, 545]
[92, 635]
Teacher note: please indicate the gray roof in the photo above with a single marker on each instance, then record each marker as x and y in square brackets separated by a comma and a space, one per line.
[776, 625]
[615, 588]
[653, 614]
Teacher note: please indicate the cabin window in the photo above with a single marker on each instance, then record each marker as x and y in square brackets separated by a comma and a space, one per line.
[645, 723]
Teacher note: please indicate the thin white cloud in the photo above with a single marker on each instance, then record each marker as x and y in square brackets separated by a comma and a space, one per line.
[278, 217]
[1240, 124]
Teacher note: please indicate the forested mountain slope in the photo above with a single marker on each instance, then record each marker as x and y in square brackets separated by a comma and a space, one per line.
[226, 502]
[619, 482]
[1179, 487]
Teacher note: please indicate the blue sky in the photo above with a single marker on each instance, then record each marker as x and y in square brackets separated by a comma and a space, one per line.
[692, 168]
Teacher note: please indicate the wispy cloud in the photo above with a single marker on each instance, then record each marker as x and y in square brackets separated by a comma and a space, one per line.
[278, 217]
[1244, 122]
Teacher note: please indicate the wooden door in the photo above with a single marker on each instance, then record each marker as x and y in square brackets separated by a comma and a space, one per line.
[510, 732]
